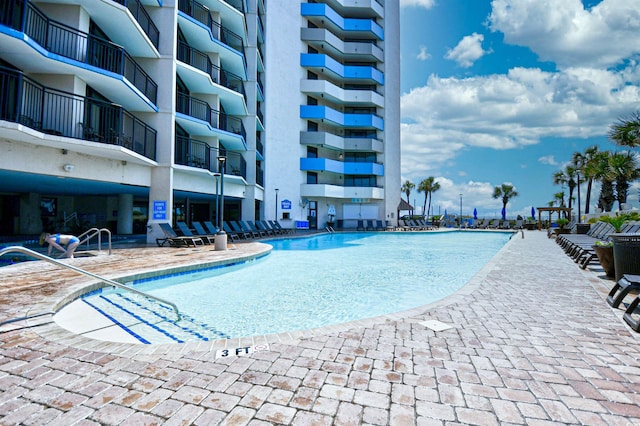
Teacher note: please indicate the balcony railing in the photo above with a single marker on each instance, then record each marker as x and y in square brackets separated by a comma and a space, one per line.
[68, 42]
[199, 154]
[201, 61]
[201, 110]
[142, 16]
[65, 114]
[202, 14]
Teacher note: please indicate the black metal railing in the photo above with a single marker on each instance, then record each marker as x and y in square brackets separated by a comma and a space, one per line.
[142, 16]
[199, 154]
[202, 14]
[259, 176]
[201, 110]
[68, 42]
[238, 4]
[65, 114]
[201, 61]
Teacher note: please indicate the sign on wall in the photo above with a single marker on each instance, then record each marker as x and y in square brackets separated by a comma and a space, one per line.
[286, 204]
[159, 210]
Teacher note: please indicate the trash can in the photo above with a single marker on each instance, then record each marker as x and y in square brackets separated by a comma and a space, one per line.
[582, 228]
[626, 254]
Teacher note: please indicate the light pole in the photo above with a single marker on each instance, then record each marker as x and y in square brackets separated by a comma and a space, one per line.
[276, 218]
[217, 176]
[221, 237]
[460, 223]
[579, 220]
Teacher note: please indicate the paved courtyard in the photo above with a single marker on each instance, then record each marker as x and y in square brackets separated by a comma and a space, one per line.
[532, 341]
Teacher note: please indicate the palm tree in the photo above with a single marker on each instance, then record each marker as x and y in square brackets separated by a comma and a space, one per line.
[626, 132]
[561, 178]
[428, 186]
[602, 173]
[507, 192]
[623, 168]
[586, 163]
[407, 187]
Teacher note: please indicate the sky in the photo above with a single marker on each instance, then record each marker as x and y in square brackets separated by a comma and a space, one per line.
[505, 91]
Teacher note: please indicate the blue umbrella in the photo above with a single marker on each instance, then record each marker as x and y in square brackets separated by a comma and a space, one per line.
[475, 213]
[533, 212]
[504, 214]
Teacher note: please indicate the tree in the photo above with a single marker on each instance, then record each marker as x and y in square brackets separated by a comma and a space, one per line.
[623, 169]
[506, 192]
[603, 174]
[560, 178]
[626, 132]
[586, 163]
[407, 187]
[428, 186]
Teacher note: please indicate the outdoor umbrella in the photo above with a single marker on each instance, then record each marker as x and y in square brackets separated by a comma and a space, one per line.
[504, 214]
[475, 213]
[533, 212]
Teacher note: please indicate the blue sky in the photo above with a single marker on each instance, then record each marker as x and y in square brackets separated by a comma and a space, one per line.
[505, 91]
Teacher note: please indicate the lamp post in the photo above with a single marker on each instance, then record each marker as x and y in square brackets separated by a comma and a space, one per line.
[276, 218]
[460, 223]
[579, 220]
[217, 177]
[221, 237]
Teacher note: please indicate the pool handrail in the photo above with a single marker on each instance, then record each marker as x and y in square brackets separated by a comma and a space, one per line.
[24, 250]
[93, 232]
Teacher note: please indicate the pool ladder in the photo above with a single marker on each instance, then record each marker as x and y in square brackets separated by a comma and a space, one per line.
[29, 252]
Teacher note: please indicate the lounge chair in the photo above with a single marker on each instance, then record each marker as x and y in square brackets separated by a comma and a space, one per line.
[214, 231]
[231, 233]
[246, 228]
[370, 226]
[270, 229]
[276, 225]
[202, 233]
[231, 227]
[622, 288]
[519, 224]
[174, 240]
[254, 227]
[186, 232]
[380, 226]
[263, 228]
[494, 224]
[360, 225]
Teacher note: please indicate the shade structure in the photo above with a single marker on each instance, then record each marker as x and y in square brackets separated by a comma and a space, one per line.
[475, 213]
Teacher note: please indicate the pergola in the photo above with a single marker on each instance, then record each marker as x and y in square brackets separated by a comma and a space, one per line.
[551, 210]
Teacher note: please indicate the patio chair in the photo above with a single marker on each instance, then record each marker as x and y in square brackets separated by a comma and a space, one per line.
[360, 225]
[174, 240]
[263, 226]
[214, 231]
[202, 233]
[231, 227]
[380, 226]
[245, 228]
[370, 226]
[254, 228]
[186, 232]
[621, 289]
[276, 225]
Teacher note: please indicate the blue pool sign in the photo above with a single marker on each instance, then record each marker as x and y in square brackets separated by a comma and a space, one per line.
[286, 205]
[159, 210]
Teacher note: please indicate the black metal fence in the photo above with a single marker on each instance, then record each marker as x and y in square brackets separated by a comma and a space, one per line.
[201, 110]
[195, 153]
[65, 114]
[202, 14]
[201, 61]
[142, 16]
[68, 42]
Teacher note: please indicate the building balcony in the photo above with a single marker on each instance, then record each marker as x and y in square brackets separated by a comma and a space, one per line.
[335, 142]
[324, 16]
[359, 8]
[207, 35]
[231, 14]
[38, 45]
[356, 194]
[199, 74]
[332, 93]
[64, 114]
[325, 41]
[200, 155]
[324, 64]
[328, 115]
[198, 118]
[340, 167]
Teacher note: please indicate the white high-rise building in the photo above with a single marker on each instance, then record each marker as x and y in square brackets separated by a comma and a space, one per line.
[122, 114]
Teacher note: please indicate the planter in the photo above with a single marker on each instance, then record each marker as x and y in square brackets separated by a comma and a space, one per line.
[626, 252]
[559, 231]
[605, 256]
[530, 226]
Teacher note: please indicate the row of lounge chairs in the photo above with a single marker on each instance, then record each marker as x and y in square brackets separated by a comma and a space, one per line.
[414, 225]
[580, 248]
[204, 233]
[497, 224]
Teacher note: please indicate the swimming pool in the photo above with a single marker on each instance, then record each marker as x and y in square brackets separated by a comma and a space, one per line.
[317, 281]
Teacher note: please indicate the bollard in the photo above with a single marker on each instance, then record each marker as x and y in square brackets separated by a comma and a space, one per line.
[522, 230]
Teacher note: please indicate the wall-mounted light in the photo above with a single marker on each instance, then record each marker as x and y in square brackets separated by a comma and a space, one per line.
[68, 167]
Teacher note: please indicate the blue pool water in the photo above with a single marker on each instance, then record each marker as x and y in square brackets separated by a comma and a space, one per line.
[329, 279]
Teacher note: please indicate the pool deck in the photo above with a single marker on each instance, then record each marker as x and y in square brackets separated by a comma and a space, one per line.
[531, 341]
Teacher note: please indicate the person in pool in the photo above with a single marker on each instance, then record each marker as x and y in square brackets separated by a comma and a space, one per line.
[58, 241]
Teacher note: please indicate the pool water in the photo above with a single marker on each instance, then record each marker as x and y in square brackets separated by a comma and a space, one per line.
[329, 279]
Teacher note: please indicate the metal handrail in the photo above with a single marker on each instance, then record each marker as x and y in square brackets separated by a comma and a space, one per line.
[96, 231]
[24, 250]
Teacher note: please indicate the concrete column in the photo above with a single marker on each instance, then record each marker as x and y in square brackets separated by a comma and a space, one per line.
[125, 214]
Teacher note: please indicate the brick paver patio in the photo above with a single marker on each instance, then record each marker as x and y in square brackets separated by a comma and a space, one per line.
[532, 342]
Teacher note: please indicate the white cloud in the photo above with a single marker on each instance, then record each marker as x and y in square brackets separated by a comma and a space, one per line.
[548, 159]
[423, 55]
[427, 4]
[509, 111]
[468, 50]
[564, 32]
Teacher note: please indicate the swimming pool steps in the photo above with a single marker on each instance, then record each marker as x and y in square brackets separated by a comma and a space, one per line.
[150, 321]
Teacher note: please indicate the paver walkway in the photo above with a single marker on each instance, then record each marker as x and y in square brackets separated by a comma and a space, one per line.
[532, 342]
